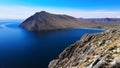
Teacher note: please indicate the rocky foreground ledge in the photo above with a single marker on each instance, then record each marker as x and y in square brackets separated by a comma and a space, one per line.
[92, 51]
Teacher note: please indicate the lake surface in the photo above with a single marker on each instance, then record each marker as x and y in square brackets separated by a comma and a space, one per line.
[23, 49]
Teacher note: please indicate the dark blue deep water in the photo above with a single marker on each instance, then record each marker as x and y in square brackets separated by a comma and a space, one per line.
[23, 49]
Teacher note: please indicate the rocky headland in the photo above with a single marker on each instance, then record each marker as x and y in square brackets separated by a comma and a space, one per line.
[47, 21]
[101, 50]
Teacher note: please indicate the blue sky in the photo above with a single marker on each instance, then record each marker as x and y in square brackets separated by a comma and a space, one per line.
[79, 4]
[77, 8]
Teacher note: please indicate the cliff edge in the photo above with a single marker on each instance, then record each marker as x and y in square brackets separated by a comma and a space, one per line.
[100, 50]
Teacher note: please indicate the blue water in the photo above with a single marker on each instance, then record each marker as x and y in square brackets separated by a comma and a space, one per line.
[23, 49]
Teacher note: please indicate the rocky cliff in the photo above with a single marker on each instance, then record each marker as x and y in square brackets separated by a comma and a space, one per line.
[92, 51]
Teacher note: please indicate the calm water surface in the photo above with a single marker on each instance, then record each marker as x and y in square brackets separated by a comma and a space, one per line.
[22, 49]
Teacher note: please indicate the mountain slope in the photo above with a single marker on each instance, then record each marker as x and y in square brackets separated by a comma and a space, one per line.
[92, 51]
[104, 22]
[47, 21]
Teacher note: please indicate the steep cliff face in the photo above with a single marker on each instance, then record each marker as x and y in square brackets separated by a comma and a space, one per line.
[92, 51]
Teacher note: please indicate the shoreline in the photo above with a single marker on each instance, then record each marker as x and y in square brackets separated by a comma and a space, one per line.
[89, 28]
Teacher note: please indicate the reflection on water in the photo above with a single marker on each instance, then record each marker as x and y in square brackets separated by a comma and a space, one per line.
[23, 49]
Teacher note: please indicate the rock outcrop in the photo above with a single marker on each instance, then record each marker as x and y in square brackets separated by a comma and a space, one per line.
[100, 50]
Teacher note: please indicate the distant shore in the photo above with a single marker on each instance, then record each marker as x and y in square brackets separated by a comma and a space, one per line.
[89, 28]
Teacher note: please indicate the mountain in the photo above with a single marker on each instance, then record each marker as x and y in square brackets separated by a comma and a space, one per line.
[47, 21]
[105, 19]
[104, 23]
[101, 50]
